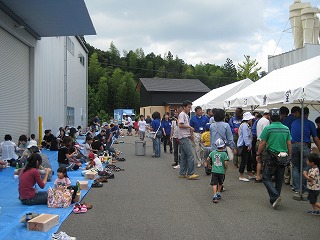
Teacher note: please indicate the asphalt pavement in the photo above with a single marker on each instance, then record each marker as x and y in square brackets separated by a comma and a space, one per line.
[149, 201]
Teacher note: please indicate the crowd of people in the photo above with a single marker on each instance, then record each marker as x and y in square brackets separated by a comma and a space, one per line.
[266, 144]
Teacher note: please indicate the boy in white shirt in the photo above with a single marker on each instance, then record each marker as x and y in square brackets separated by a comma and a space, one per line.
[142, 127]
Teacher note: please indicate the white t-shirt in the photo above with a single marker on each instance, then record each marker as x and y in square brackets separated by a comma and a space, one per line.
[129, 121]
[184, 119]
[8, 149]
[142, 126]
[174, 128]
[98, 164]
[86, 149]
[263, 122]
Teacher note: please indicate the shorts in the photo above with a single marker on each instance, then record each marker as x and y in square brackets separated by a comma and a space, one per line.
[313, 196]
[217, 178]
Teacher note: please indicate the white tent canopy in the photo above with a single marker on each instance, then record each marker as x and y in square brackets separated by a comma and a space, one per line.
[286, 85]
[215, 98]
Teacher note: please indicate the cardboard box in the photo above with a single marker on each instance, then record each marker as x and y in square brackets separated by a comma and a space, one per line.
[83, 185]
[43, 222]
[77, 198]
[91, 175]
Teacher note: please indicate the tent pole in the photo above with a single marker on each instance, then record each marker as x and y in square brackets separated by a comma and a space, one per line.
[301, 146]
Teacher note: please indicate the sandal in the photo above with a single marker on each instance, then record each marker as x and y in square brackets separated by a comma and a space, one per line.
[89, 206]
[77, 208]
[96, 184]
[83, 208]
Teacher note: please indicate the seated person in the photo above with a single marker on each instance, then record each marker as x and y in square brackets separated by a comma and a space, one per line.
[22, 145]
[8, 150]
[95, 162]
[29, 176]
[80, 132]
[49, 141]
[97, 146]
[32, 141]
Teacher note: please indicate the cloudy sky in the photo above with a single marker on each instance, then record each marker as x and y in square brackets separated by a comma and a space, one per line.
[207, 31]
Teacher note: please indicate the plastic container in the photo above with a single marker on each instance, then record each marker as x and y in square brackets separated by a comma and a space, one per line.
[140, 148]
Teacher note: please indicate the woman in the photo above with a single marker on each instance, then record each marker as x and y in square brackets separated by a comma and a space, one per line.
[29, 176]
[166, 129]
[156, 126]
[245, 141]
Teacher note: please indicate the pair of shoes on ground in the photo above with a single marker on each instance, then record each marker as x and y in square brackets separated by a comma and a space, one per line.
[314, 212]
[96, 184]
[79, 208]
[189, 177]
[61, 236]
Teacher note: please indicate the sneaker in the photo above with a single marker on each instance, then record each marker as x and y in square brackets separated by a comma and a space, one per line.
[215, 200]
[243, 179]
[276, 203]
[177, 167]
[218, 196]
[199, 165]
[193, 176]
[182, 176]
[314, 212]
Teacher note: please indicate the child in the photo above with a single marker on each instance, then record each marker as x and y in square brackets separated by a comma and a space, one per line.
[205, 145]
[136, 127]
[313, 177]
[63, 179]
[87, 146]
[95, 162]
[142, 127]
[219, 159]
[32, 141]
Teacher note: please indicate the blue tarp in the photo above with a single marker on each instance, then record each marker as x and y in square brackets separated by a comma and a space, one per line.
[12, 209]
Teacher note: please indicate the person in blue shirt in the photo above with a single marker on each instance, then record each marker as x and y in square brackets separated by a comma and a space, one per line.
[234, 123]
[245, 141]
[166, 129]
[295, 113]
[198, 122]
[309, 130]
[156, 126]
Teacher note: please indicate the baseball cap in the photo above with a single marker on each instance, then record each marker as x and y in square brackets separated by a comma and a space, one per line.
[220, 143]
[275, 112]
[91, 156]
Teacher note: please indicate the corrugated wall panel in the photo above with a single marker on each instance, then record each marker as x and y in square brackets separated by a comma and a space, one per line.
[49, 83]
[14, 86]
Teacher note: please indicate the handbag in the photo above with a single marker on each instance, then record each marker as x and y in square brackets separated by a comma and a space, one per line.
[59, 197]
[282, 160]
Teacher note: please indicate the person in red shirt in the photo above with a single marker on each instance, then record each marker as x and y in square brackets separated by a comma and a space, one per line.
[29, 176]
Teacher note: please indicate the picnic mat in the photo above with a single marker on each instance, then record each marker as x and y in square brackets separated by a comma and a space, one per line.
[12, 209]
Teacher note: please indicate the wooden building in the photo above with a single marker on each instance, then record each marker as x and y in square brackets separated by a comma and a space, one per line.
[165, 95]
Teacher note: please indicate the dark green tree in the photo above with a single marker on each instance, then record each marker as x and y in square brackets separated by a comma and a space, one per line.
[248, 69]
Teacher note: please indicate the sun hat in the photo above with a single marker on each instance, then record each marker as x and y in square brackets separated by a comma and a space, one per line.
[220, 143]
[247, 116]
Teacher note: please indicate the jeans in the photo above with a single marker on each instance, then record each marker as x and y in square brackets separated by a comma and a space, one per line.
[167, 141]
[246, 160]
[175, 150]
[156, 147]
[186, 158]
[270, 168]
[296, 150]
[39, 199]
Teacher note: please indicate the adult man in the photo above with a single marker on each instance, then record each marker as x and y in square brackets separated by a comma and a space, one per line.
[198, 122]
[234, 123]
[295, 113]
[309, 130]
[278, 140]
[209, 114]
[185, 132]
[130, 125]
[262, 123]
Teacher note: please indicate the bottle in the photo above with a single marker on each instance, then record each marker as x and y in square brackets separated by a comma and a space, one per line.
[17, 166]
[78, 186]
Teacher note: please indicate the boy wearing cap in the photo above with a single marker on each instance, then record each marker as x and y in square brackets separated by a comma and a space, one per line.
[219, 159]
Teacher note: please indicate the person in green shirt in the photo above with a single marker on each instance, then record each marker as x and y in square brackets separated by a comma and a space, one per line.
[278, 140]
[219, 159]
